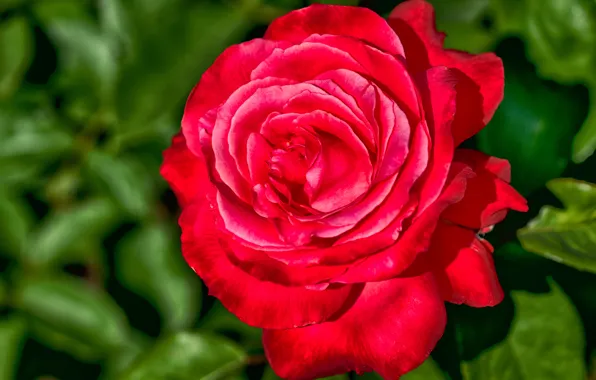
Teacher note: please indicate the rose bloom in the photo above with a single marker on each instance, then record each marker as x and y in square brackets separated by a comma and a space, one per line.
[325, 199]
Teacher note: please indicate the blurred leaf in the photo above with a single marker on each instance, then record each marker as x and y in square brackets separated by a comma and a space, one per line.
[31, 134]
[12, 337]
[11, 4]
[567, 236]
[115, 24]
[125, 180]
[429, 370]
[16, 45]
[14, 232]
[545, 342]
[3, 292]
[561, 36]
[119, 361]
[270, 375]
[462, 20]
[148, 262]
[88, 65]
[63, 229]
[584, 142]
[172, 58]
[71, 308]
[220, 320]
[538, 133]
[186, 355]
[509, 15]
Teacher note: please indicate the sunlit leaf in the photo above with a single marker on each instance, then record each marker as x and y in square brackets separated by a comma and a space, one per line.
[584, 142]
[545, 342]
[561, 37]
[567, 236]
[188, 356]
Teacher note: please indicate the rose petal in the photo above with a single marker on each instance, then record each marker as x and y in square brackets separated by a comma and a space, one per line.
[185, 172]
[415, 239]
[481, 85]
[464, 267]
[437, 88]
[391, 329]
[230, 70]
[359, 23]
[255, 302]
[487, 197]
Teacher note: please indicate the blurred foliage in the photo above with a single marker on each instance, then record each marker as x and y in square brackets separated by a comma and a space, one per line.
[92, 283]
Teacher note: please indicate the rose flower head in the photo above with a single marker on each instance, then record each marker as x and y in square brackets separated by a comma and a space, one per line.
[324, 197]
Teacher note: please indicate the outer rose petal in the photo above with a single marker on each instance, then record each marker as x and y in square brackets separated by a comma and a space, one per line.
[185, 172]
[464, 267]
[487, 197]
[414, 22]
[360, 23]
[255, 302]
[391, 329]
[230, 70]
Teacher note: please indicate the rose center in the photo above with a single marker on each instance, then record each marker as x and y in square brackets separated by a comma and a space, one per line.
[289, 163]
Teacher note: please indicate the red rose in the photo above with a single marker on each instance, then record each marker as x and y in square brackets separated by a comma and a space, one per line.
[324, 197]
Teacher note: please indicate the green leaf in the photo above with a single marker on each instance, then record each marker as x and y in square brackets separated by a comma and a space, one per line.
[188, 356]
[429, 370]
[546, 341]
[584, 142]
[125, 179]
[509, 15]
[270, 375]
[69, 308]
[31, 134]
[462, 20]
[88, 66]
[170, 60]
[63, 229]
[14, 234]
[148, 262]
[12, 338]
[220, 320]
[561, 37]
[3, 292]
[567, 236]
[16, 46]
[119, 361]
[538, 133]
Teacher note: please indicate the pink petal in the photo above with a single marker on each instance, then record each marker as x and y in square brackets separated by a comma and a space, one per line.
[414, 240]
[230, 70]
[359, 23]
[391, 329]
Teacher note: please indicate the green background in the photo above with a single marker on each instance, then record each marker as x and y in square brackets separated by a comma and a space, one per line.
[92, 283]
